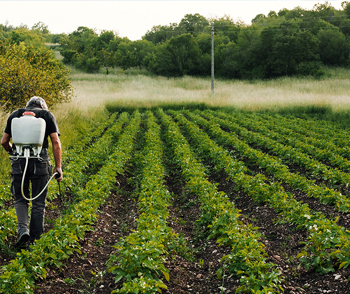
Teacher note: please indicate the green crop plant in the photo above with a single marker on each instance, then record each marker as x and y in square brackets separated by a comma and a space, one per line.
[273, 165]
[141, 255]
[219, 215]
[326, 240]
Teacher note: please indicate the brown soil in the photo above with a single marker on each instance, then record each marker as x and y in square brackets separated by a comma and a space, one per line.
[85, 273]
[282, 242]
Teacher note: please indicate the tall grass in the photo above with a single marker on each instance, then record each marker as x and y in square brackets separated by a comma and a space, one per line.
[149, 91]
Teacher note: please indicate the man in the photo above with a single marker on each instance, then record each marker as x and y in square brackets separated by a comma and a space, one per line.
[38, 172]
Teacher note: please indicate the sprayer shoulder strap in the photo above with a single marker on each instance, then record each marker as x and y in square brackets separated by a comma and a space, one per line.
[41, 113]
[20, 112]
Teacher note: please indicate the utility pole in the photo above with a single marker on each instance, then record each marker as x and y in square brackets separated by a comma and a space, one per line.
[212, 57]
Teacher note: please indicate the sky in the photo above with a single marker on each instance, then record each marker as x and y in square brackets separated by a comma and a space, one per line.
[133, 19]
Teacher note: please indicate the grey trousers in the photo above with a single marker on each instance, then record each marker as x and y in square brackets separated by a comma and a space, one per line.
[37, 173]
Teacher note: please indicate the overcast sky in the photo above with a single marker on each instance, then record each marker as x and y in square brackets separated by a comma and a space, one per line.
[133, 19]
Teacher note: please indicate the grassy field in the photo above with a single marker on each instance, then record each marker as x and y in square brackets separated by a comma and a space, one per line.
[143, 90]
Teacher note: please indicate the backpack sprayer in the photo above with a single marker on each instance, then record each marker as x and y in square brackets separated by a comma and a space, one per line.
[28, 134]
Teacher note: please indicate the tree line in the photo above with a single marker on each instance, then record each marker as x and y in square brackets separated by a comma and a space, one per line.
[284, 43]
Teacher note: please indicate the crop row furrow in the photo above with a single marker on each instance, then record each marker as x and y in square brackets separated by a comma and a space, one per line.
[87, 161]
[140, 257]
[333, 176]
[285, 128]
[272, 165]
[317, 129]
[248, 258]
[298, 142]
[88, 139]
[60, 242]
[326, 240]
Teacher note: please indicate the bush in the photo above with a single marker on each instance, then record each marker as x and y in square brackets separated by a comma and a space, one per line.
[27, 72]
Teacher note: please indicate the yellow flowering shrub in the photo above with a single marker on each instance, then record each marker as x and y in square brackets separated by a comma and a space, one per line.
[27, 72]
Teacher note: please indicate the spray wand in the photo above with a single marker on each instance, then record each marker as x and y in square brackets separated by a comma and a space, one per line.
[27, 156]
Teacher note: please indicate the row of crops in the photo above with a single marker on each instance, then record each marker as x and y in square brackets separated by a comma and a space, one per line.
[264, 157]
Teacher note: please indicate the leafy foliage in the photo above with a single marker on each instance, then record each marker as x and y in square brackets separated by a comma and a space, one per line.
[177, 57]
[26, 72]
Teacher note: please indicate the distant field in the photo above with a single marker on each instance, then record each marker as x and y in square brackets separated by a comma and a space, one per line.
[142, 90]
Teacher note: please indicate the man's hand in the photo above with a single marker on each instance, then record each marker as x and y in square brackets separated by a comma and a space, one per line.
[5, 142]
[58, 177]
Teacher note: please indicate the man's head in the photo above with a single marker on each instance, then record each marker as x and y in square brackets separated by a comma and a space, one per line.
[37, 101]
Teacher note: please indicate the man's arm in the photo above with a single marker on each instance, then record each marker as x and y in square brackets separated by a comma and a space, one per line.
[57, 154]
[5, 142]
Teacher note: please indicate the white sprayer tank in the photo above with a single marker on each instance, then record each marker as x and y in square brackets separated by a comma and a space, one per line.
[28, 131]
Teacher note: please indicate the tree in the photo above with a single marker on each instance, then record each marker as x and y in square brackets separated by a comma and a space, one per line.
[77, 43]
[258, 18]
[204, 41]
[41, 27]
[159, 34]
[28, 71]
[105, 46]
[42, 31]
[107, 58]
[56, 38]
[126, 55]
[324, 11]
[333, 48]
[105, 38]
[226, 64]
[244, 60]
[225, 26]
[346, 8]
[345, 27]
[113, 44]
[295, 13]
[248, 36]
[272, 14]
[283, 12]
[178, 56]
[315, 25]
[142, 48]
[193, 24]
[26, 36]
[288, 49]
